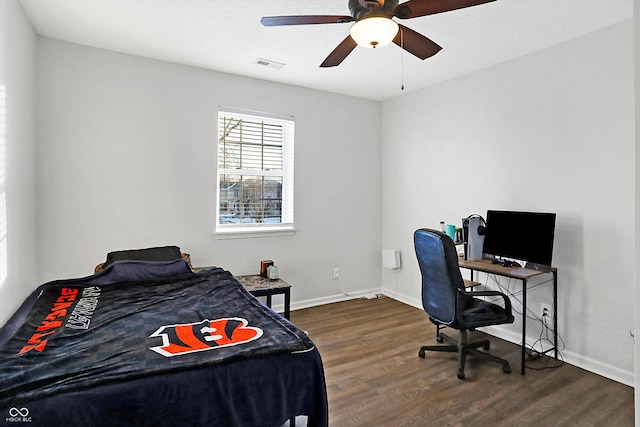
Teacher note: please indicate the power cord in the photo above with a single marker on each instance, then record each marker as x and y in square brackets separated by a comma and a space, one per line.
[534, 355]
[339, 277]
[545, 332]
[395, 282]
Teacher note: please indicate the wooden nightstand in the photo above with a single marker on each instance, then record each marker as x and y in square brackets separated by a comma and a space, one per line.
[262, 287]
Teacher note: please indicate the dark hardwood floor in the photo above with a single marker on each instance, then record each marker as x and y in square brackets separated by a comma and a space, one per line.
[375, 377]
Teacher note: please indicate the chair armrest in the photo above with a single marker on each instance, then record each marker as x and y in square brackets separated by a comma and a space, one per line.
[505, 298]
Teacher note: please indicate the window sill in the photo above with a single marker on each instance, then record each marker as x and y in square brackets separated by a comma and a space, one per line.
[252, 232]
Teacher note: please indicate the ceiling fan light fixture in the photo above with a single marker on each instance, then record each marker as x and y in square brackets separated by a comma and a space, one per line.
[374, 32]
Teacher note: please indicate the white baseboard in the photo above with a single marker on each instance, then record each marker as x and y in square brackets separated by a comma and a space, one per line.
[402, 298]
[603, 369]
[299, 305]
[608, 371]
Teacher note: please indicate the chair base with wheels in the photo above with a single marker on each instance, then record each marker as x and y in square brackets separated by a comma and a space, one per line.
[464, 348]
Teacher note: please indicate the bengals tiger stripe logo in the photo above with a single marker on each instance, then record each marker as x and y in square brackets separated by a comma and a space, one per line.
[206, 335]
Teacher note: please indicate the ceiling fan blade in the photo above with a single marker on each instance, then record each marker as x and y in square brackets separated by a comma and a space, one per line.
[415, 43]
[415, 8]
[272, 21]
[340, 53]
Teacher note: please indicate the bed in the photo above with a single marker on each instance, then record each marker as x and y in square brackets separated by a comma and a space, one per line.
[145, 341]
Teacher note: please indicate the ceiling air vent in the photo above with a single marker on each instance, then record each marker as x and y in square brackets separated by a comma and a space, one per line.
[269, 63]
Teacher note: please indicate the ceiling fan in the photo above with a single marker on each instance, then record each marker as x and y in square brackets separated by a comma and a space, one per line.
[379, 13]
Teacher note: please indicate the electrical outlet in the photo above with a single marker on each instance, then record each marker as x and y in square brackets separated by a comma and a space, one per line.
[336, 273]
[546, 312]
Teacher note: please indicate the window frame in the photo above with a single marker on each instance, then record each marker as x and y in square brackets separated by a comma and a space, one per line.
[287, 225]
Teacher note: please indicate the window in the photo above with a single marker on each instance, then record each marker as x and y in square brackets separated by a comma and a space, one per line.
[255, 172]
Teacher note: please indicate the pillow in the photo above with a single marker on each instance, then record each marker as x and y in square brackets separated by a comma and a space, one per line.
[162, 253]
[137, 270]
[185, 257]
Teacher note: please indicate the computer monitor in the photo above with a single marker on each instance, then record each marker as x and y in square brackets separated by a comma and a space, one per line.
[526, 236]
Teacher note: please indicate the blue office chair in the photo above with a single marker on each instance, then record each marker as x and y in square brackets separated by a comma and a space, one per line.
[447, 303]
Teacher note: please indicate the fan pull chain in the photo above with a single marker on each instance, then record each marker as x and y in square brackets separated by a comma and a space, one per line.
[401, 60]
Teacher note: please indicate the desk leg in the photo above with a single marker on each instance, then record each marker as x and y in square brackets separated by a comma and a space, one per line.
[555, 314]
[287, 304]
[524, 325]
[268, 300]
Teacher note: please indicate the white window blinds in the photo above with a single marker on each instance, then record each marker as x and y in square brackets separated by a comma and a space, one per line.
[255, 171]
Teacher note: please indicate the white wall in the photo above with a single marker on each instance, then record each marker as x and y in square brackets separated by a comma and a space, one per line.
[552, 131]
[127, 160]
[636, 51]
[18, 180]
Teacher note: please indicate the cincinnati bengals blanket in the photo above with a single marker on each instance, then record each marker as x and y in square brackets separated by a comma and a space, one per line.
[80, 333]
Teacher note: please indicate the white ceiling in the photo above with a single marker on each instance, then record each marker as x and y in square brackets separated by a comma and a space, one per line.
[226, 36]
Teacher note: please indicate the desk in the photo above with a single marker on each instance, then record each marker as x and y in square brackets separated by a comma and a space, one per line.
[523, 274]
[262, 287]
